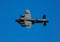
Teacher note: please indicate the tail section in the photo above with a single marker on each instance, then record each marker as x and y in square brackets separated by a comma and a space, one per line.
[44, 20]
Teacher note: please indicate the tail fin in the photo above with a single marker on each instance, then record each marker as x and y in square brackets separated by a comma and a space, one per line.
[44, 20]
[44, 16]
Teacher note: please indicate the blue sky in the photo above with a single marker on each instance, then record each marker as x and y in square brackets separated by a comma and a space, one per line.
[11, 31]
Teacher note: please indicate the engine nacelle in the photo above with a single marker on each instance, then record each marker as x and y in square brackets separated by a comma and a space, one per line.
[22, 15]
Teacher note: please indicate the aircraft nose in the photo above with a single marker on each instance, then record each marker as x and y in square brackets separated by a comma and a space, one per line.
[17, 20]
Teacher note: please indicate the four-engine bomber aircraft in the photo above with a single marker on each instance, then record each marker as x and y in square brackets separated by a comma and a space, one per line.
[27, 21]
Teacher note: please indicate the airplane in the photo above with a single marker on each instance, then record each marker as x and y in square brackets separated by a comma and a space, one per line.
[27, 21]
